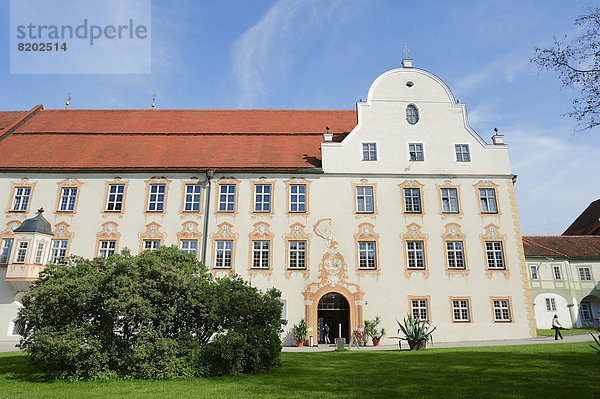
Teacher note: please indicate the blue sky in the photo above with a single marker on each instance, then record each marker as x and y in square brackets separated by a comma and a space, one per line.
[324, 54]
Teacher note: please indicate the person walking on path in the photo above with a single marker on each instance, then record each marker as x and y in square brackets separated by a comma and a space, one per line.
[326, 333]
[556, 326]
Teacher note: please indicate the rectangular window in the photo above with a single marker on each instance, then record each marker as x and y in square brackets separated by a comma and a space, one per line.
[550, 305]
[501, 310]
[534, 272]
[5, 250]
[22, 252]
[366, 255]
[297, 254]
[151, 244]
[495, 255]
[584, 274]
[58, 251]
[21, 199]
[227, 198]
[114, 201]
[415, 151]
[223, 255]
[156, 200]
[193, 194]
[412, 200]
[456, 255]
[364, 199]
[369, 151]
[449, 200]
[106, 248]
[419, 309]
[39, 253]
[262, 198]
[487, 199]
[586, 311]
[260, 254]
[415, 254]
[460, 310]
[67, 199]
[462, 152]
[557, 273]
[189, 246]
[297, 197]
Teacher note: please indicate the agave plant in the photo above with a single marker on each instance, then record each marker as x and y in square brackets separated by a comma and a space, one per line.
[416, 333]
[597, 347]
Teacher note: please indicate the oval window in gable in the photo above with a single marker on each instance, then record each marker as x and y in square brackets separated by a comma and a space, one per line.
[412, 114]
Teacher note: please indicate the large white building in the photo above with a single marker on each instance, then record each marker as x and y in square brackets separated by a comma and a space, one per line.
[397, 207]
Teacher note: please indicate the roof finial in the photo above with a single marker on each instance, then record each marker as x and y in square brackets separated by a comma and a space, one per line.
[40, 211]
[154, 96]
[68, 102]
[406, 51]
[406, 62]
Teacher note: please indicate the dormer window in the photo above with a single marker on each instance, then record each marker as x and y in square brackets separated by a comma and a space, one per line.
[412, 114]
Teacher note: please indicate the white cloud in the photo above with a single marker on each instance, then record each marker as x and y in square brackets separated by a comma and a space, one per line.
[557, 175]
[266, 52]
[502, 68]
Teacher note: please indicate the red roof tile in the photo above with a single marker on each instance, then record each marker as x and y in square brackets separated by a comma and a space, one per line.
[257, 121]
[172, 139]
[588, 223]
[573, 247]
[9, 117]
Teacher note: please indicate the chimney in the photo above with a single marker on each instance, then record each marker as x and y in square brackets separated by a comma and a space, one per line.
[407, 63]
[497, 139]
[328, 136]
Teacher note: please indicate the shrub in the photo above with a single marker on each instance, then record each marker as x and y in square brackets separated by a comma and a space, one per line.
[371, 329]
[147, 316]
[300, 331]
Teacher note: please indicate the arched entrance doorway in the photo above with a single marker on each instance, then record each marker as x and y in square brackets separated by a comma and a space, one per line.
[334, 310]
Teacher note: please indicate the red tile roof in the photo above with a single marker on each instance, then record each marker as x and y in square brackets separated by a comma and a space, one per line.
[573, 247]
[7, 118]
[588, 223]
[172, 139]
[182, 121]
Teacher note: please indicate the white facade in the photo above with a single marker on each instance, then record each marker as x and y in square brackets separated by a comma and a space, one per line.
[569, 288]
[484, 299]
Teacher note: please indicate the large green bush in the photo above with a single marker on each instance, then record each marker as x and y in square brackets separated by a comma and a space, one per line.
[155, 315]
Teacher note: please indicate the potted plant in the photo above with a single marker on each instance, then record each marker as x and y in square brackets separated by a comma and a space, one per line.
[372, 331]
[300, 332]
[417, 333]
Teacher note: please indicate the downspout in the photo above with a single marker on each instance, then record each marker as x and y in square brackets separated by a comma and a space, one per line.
[209, 175]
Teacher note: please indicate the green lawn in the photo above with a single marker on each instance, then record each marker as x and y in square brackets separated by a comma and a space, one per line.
[561, 370]
[550, 333]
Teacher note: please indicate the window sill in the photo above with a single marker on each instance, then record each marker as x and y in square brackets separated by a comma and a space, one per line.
[16, 211]
[461, 321]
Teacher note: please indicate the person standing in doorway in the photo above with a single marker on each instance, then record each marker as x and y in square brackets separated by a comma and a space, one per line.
[556, 326]
[326, 333]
